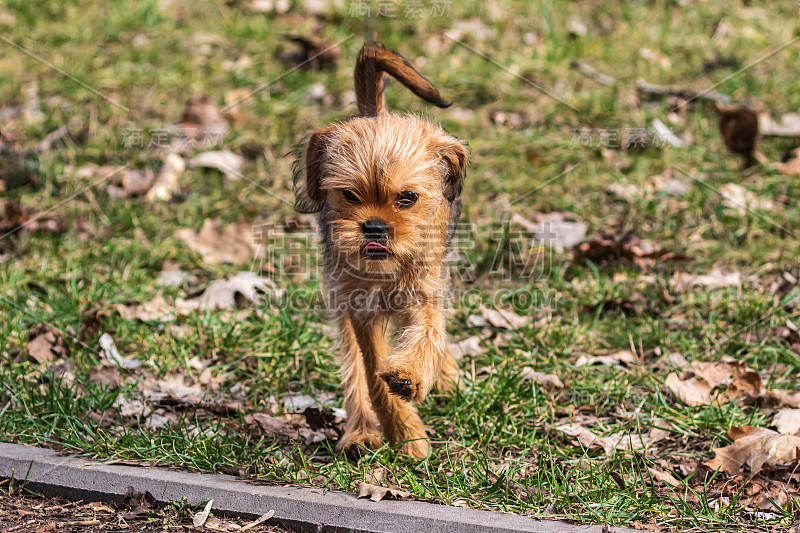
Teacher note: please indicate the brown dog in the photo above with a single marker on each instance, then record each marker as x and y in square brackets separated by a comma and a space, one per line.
[387, 189]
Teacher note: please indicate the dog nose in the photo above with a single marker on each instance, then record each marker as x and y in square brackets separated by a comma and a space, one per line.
[374, 229]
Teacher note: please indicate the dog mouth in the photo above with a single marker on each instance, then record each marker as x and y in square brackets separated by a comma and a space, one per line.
[376, 250]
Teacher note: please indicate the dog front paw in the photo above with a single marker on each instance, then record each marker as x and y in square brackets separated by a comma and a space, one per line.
[405, 385]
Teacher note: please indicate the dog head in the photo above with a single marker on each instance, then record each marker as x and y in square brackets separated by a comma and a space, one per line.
[387, 188]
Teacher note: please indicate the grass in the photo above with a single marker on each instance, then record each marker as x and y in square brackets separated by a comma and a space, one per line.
[494, 442]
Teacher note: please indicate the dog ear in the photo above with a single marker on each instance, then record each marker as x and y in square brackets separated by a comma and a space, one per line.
[308, 170]
[454, 157]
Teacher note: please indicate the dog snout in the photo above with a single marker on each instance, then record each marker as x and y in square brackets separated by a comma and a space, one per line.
[375, 229]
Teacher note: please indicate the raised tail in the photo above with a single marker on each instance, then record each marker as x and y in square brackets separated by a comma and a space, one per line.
[375, 59]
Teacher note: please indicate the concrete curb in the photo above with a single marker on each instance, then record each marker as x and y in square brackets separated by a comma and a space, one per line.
[308, 509]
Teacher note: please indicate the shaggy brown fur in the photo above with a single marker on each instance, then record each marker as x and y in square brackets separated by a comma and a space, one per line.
[387, 189]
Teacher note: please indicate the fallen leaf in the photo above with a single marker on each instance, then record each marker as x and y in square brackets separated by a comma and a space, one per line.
[553, 229]
[221, 294]
[501, 318]
[137, 503]
[201, 517]
[755, 447]
[783, 398]
[720, 372]
[691, 392]
[166, 184]
[260, 520]
[201, 123]
[791, 166]
[171, 388]
[787, 421]
[716, 279]
[105, 376]
[622, 357]
[270, 6]
[131, 407]
[319, 418]
[664, 477]
[376, 493]
[740, 200]
[270, 425]
[234, 243]
[663, 183]
[111, 356]
[156, 309]
[663, 134]
[550, 381]
[46, 344]
[787, 125]
[229, 163]
[470, 346]
[131, 183]
[297, 401]
[606, 248]
[171, 278]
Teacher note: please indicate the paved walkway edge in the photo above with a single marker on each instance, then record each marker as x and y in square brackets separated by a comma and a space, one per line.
[306, 508]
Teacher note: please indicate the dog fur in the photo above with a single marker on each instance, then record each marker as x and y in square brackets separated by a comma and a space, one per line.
[386, 187]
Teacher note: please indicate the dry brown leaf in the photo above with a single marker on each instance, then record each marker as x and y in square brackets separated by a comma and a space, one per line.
[787, 421]
[221, 294]
[469, 347]
[560, 230]
[234, 243]
[227, 162]
[131, 407]
[755, 447]
[498, 318]
[376, 493]
[261, 519]
[171, 388]
[622, 357]
[791, 166]
[111, 356]
[783, 398]
[550, 381]
[629, 247]
[131, 183]
[740, 200]
[270, 425]
[787, 125]
[616, 441]
[721, 372]
[46, 344]
[664, 476]
[716, 279]
[201, 517]
[166, 184]
[156, 309]
[201, 123]
[691, 392]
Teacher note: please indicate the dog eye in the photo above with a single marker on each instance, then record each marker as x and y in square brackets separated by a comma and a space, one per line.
[407, 199]
[350, 196]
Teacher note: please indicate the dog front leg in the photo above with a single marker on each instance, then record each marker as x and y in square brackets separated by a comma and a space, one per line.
[414, 368]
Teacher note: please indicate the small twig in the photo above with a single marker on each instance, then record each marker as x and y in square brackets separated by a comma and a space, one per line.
[592, 73]
[646, 88]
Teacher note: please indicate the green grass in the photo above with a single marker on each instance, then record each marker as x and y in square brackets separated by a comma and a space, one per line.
[494, 442]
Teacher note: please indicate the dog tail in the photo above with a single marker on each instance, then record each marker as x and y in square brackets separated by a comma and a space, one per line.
[375, 59]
